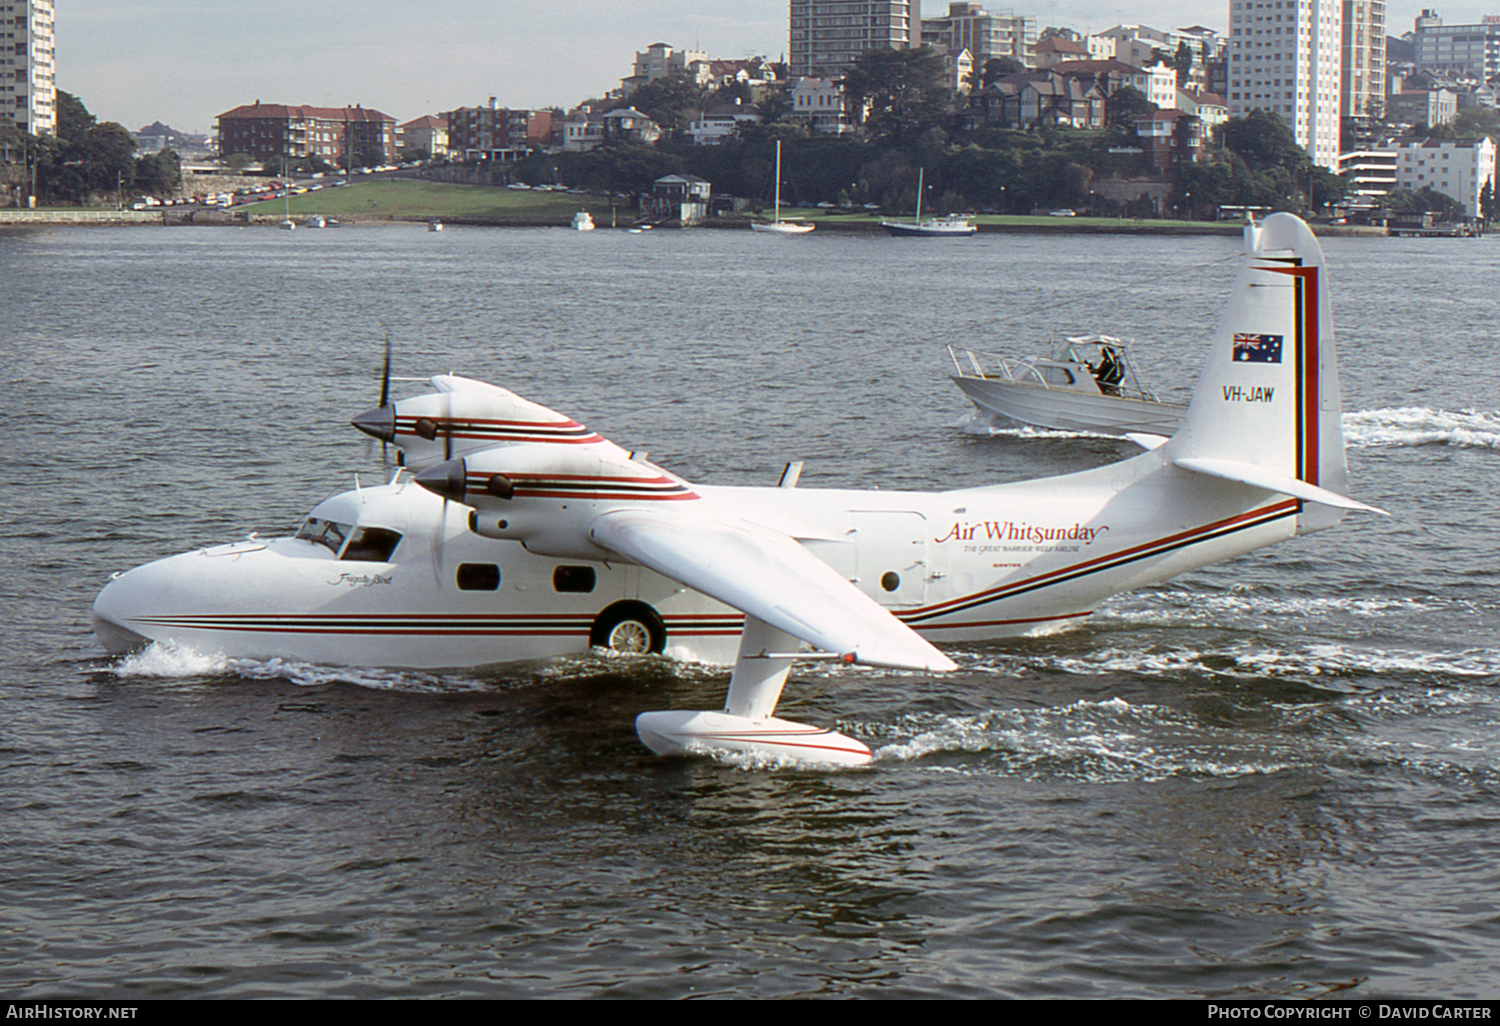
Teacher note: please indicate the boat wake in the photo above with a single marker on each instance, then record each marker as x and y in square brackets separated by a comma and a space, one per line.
[174, 662]
[1418, 425]
[1363, 429]
[1109, 741]
[178, 663]
[998, 427]
[1242, 608]
[1434, 733]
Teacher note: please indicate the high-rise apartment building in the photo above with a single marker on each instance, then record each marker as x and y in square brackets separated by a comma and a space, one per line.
[1363, 84]
[827, 35]
[28, 84]
[986, 36]
[1285, 58]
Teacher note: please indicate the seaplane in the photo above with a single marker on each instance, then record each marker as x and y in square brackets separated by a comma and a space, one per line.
[515, 533]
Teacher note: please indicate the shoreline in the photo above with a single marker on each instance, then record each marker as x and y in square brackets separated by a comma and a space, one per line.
[1064, 226]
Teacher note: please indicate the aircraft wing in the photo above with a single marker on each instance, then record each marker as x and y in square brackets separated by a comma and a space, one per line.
[767, 575]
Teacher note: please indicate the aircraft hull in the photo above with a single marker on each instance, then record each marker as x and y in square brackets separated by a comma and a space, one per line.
[962, 566]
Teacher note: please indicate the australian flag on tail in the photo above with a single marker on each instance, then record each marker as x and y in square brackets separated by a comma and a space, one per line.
[1257, 348]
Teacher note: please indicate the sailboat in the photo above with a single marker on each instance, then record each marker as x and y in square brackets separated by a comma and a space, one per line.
[953, 224]
[776, 225]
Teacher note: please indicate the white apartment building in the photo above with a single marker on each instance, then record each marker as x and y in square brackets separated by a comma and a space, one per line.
[1370, 173]
[28, 85]
[826, 36]
[1140, 44]
[986, 36]
[1284, 57]
[820, 104]
[1457, 169]
[657, 61]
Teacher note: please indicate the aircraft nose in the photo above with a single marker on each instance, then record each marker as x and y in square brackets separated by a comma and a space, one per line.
[378, 423]
[446, 479]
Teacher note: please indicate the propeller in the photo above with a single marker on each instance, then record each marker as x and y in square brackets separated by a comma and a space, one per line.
[423, 426]
[380, 422]
[385, 396]
[385, 373]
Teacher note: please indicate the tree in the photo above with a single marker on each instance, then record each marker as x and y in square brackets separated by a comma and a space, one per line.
[671, 101]
[1426, 200]
[1476, 121]
[158, 174]
[12, 141]
[106, 157]
[902, 92]
[1263, 141]
[73, 118]
[1182, 60]
[1202, 185]
[1124, 105]
[995, 69]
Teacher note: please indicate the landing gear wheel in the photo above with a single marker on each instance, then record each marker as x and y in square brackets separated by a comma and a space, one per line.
[631, 628]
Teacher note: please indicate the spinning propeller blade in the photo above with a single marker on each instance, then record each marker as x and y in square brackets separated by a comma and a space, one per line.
[385, 375]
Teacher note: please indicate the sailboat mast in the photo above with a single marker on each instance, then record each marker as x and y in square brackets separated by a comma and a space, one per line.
[918, 217]
[777, 215]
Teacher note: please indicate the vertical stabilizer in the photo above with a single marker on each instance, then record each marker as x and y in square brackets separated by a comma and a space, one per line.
[1267, 407]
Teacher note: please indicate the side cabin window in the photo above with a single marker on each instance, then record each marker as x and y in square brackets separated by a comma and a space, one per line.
[372, 545]
[478, 577]
[573, 578]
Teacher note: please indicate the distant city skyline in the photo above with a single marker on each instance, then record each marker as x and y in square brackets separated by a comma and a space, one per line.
[139, 61]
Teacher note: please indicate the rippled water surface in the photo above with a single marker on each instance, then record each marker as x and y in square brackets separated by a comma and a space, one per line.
[1279, 776]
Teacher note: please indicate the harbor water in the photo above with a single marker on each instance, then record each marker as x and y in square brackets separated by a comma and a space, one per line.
[1275, 777]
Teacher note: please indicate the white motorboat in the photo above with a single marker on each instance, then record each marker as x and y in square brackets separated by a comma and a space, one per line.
[583, 221]
[953, 224]
[776, 226]
[1088, 383]
[434, 225]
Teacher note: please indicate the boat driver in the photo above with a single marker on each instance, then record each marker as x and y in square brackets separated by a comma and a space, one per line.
[1110, 372]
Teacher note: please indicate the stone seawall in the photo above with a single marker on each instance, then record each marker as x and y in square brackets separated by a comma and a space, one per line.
[81, 216]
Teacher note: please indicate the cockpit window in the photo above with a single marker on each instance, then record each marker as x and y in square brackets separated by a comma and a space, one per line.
[324, 532]
[372, 545]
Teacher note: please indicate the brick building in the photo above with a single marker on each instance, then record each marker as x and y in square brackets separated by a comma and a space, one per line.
[342, 136]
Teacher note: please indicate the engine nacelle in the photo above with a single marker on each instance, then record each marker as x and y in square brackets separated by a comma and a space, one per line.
[464, 416]
[547, 496]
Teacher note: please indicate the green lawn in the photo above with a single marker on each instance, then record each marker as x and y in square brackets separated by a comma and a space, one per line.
[432, 199]
[419, 199]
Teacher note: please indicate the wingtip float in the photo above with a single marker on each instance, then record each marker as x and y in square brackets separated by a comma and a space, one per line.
[524, 535]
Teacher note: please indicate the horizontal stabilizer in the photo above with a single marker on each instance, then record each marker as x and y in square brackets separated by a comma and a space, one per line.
[1271, 481]
[767, 575]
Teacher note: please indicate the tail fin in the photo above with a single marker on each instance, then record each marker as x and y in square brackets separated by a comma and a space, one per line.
[1267, 408]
